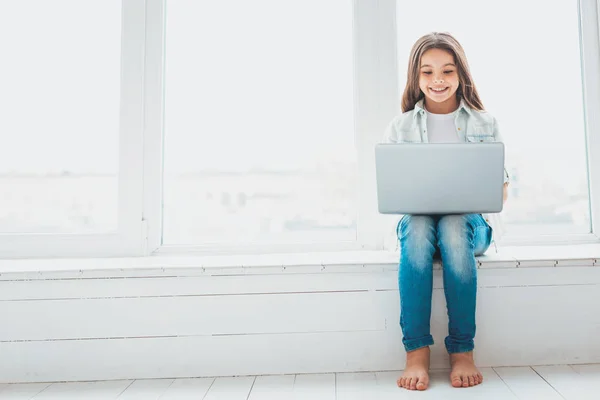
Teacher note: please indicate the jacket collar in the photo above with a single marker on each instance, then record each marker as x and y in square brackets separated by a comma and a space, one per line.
[420, 108]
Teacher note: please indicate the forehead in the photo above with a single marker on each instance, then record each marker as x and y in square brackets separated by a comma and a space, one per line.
[437, 57]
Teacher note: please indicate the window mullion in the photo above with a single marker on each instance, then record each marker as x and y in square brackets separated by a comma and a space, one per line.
[131, 125]
[377, 102]
[153, 122]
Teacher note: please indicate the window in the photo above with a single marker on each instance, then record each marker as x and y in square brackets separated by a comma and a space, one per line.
[140, 126]
[528, 71]
[60, 116]
[259, 136]
[72, 128]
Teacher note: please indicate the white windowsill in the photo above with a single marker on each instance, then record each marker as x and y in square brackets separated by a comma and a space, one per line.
[345, 261]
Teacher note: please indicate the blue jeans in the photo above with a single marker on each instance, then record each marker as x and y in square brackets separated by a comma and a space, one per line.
[457, 239]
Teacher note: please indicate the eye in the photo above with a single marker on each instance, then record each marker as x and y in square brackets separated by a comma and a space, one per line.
[448, 72]
[427, 72]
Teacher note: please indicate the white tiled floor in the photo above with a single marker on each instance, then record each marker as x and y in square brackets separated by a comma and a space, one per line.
[571, 382]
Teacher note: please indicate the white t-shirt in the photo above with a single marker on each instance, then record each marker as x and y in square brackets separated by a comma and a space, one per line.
[441, 128]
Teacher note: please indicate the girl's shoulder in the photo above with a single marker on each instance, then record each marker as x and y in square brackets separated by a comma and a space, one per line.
[402, 128]
[482, 117]
[404, 120]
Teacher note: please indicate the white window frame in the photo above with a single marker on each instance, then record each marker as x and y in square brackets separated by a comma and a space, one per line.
[588, 14]
[377, 101]
[129, 238]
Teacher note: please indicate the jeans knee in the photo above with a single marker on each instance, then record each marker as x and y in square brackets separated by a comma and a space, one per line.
[455, 240]
[417, 228]
[417, 242]
[454, 232]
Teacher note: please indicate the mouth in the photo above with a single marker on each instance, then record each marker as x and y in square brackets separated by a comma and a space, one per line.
[439, 90]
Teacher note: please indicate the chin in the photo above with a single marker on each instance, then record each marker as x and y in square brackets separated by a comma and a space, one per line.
[438, 100]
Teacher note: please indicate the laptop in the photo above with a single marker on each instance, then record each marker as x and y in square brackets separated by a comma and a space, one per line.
[439, 178]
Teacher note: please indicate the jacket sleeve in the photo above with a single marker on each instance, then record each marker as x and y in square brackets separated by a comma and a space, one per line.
[498, 138]
[391, 134]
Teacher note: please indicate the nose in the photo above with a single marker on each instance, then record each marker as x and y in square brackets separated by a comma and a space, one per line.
[438, 80]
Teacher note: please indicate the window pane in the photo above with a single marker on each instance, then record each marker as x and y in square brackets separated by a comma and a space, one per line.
[59, 75]
[259, 139]
[533, 86]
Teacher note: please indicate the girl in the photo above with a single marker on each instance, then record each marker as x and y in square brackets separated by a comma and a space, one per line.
[440, 104]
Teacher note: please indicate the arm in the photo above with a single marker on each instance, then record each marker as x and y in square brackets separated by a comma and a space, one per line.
[391, 135]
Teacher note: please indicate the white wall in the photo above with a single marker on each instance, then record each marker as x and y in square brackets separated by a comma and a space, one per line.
[191, 322]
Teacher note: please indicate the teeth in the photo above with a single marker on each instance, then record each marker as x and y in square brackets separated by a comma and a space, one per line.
[438, 90]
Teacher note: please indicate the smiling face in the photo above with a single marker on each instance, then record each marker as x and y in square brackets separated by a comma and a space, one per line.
[438, 80]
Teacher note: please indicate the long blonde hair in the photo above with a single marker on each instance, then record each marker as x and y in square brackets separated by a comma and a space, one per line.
[444, 41]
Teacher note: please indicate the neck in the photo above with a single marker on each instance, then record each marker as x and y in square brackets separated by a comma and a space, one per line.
[446, 107]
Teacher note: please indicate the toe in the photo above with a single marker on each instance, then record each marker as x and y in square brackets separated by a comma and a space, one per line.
[480, 378]
[399, 382]
[471, 381]
[402, 381]
[465, 381]
[421, 385]
[456, 381]
[413, 384]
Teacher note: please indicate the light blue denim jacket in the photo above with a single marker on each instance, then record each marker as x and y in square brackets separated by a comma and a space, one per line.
[471, 126]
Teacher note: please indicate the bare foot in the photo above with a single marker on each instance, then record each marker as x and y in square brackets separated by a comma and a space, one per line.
[464, 372]
[416, 373]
